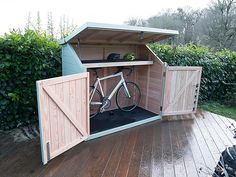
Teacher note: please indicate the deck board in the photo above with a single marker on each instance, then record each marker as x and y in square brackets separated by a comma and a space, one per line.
[175, 147]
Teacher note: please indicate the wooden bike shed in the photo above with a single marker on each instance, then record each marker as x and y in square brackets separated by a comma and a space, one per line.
[63, 102]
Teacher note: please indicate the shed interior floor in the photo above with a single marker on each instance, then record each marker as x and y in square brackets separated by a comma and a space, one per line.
[115, 118]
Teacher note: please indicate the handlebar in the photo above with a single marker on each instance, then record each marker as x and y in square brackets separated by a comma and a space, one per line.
[119, 69]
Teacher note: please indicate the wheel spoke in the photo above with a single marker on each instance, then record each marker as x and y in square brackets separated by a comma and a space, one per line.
[126, 103]
[96, 102]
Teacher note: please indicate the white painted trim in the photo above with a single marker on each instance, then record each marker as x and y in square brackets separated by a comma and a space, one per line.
[124, 127]
[183, 68]
[40, 123]
[112, 27]
[115, 64]
[153, 53]
[164, 68]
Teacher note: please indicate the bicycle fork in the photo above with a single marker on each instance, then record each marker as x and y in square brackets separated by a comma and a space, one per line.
[107, 100]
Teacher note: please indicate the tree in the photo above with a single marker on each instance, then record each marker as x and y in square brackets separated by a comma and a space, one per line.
[189, 19]
[50, 26]
[183, 20]
[136, 22]
[66, 26]
[29, 23]
[220, 19]
[38, 23]
[167, 20]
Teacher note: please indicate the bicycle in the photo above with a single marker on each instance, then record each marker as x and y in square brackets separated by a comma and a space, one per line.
[127, 94]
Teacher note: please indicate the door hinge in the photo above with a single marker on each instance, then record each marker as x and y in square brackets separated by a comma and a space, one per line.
[48, 151]
[160, 108]
[164, 74]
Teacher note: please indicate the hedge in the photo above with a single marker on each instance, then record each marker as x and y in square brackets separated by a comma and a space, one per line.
[24, 58]
[219, 69]
[30, 56]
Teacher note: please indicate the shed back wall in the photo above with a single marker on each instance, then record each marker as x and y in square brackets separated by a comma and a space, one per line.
[98, 52]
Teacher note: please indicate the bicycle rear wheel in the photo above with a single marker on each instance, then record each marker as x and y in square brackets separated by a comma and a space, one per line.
[97, 97]
[127, 102]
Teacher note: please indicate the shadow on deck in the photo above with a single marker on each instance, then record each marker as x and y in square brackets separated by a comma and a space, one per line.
[176, 146]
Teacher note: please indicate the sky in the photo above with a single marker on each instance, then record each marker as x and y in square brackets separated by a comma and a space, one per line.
[14, 13]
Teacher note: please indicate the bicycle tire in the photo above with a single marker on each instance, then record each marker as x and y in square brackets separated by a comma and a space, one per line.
[94, 110]
[127, 105]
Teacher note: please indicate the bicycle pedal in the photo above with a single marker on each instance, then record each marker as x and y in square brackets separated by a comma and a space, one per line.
[102, 110]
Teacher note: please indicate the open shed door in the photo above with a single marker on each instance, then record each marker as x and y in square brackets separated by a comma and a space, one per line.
[63, 107]
[181, 90]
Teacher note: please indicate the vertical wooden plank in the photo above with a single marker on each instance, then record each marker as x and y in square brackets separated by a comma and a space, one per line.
[216, 136]
[224, 128]
[172, 86]
[115, 157]
[53, 123]
[87, 106]
[84, 100]
[78, 96]
[192, 92]
[185, 104]
[67, 123]
[199, 84]
[206, 146]
[157, 165]
[167, 90]
[73, 106]
[182, 98]
[60, 120]
[189, 161]
[146, 159]
[136, 156]
[194, 145]
[167, 152]
[123, 166]
[178, 86]
[43, 120]
[178, 159]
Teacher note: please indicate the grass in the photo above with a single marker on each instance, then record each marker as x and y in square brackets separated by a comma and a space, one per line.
[224, 110]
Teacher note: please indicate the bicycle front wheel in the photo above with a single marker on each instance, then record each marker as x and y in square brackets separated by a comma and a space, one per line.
[128, 101]
[96, 101]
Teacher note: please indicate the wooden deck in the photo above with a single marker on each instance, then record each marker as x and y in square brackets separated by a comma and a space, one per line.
[162, 148]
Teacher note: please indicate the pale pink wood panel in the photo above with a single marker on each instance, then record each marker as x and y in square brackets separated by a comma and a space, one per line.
[141, 80]
[149, 79]
[90, 53]
[61, 122]
[95, 52]
[63, 113]
[181, 93]
[122, 50]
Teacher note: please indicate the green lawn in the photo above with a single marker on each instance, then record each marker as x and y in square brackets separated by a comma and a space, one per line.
[224, 110]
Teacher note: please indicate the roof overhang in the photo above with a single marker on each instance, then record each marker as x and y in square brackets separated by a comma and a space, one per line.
[100, 33]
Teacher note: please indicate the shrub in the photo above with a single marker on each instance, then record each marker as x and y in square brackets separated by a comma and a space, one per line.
[24, 58]
[218, 68]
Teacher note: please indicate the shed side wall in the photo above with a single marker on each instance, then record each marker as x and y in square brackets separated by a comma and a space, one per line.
[149, 79]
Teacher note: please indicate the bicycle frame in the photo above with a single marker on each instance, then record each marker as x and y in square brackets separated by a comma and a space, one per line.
[98, 84]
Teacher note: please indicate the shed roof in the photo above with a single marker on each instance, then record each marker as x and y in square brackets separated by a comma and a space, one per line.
[121, 34]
